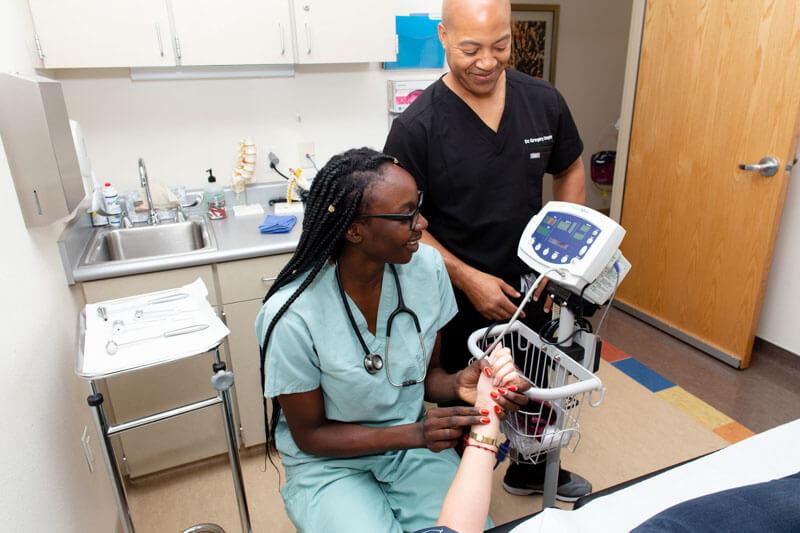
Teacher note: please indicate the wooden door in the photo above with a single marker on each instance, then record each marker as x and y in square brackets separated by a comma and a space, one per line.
[244, 32]
[718, 85]
[102, 33]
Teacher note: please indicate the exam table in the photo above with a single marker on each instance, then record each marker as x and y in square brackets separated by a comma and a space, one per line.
[760, 458]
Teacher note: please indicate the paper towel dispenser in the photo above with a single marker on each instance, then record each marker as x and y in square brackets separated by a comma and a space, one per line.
[36, 135]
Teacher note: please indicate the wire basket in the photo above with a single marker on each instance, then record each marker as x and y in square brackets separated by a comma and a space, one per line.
[560, 387]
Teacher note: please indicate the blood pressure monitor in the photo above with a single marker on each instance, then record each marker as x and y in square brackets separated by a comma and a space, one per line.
[580, 244]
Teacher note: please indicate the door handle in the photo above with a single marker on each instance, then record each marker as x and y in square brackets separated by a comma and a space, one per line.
[308, 37]
[767, 166]
[160, 42]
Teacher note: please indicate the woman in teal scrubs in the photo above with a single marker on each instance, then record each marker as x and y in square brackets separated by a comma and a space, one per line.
[358, 447]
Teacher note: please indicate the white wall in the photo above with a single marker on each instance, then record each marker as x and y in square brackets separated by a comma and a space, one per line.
[47, 485]
[183, 127]
[778, 322]
[590, 70]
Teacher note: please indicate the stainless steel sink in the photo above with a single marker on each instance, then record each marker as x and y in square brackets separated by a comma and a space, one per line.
[150, 242]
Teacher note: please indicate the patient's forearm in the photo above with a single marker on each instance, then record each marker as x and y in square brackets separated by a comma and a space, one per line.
[467, 502]
[466, 505]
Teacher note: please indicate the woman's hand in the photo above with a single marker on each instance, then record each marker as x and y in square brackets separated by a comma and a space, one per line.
[466, 381]
[443, 427]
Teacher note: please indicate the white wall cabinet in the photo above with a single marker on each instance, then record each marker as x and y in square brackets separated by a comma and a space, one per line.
[244, 32]
[163, 33]
[100, 33]
[347, 31]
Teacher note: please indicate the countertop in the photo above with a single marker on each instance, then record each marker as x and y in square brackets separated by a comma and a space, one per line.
[237, 238]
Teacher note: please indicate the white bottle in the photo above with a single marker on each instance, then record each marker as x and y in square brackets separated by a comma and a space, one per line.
[112, 207]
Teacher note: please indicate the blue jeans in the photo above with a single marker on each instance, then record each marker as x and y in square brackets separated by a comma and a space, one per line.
[772, 506]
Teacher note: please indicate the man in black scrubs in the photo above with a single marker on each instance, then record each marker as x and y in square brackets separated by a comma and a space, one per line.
[479, 141]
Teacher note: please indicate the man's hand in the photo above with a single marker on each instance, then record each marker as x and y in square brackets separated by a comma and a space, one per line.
[490, 295]
[443, 427]
[548, 305]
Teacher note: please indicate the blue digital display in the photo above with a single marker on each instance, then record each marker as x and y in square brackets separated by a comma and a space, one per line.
[562, 237]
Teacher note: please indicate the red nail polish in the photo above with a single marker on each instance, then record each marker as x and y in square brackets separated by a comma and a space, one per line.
[497, 409]
[512, 388]
[493, 395]
[485, 420]
[501, 390]
[484, 411]
[488, 372]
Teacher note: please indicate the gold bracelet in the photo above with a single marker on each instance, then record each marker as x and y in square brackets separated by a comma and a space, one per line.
[483, 439]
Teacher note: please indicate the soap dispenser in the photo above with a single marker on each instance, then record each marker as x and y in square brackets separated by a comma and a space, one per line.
[215, 198]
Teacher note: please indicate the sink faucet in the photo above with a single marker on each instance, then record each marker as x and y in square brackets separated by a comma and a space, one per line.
[153, 216]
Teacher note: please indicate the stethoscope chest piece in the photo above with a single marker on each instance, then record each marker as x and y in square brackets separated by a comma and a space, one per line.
[373, 363]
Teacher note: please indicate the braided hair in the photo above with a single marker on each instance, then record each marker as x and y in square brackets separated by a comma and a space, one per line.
[334, 202]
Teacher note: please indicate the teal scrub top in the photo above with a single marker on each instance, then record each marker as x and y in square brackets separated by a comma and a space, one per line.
[313, 345]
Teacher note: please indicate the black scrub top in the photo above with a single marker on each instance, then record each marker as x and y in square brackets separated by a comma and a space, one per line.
[481, 186]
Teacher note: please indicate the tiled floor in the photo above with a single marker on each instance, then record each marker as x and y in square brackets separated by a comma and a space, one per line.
[761, 397]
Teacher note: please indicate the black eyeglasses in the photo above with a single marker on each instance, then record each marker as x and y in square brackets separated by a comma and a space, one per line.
[412, 217]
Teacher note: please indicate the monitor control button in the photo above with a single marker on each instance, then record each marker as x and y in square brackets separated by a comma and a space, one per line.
[583, 250]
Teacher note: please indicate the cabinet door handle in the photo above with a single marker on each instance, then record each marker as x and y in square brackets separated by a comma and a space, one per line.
[269, 280]
[160, 42]
[283, 43]
[308, 37]
[178, 51]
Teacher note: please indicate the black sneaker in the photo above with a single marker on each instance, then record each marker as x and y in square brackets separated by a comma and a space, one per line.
[525, 479]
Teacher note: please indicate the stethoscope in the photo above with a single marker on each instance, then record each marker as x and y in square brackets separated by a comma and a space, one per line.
[373, 362]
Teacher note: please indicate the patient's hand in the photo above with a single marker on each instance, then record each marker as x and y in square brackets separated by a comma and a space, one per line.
[507, 383]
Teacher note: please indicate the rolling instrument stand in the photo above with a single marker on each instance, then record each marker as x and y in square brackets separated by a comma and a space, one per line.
[222, 380]
[561, 380]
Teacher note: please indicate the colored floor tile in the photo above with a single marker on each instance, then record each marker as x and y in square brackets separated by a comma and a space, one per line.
[643, 375]
[733, 432]
[611, 353]
[695, 407]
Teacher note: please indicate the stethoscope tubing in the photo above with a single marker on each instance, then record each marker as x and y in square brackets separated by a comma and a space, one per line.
[373, 363]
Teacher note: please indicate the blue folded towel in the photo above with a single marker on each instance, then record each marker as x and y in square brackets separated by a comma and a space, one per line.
[278, 224]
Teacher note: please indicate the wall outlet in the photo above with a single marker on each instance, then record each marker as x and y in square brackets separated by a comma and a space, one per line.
[86, 444]
[304, 148]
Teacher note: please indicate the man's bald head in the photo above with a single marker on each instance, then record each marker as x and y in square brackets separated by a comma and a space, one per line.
[458, 12]
[476, 36]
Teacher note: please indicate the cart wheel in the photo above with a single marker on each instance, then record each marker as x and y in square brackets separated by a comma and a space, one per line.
[204, 528]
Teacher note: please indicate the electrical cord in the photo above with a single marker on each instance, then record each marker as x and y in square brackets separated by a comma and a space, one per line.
[281, 174]
[522, 304]
[273, 164]
[611, 300]
[313, 163]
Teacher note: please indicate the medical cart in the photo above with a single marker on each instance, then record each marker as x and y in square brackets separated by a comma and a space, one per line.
[99, 359]
[577, 249]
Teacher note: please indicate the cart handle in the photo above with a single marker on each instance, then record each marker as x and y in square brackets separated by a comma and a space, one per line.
[588, 381]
